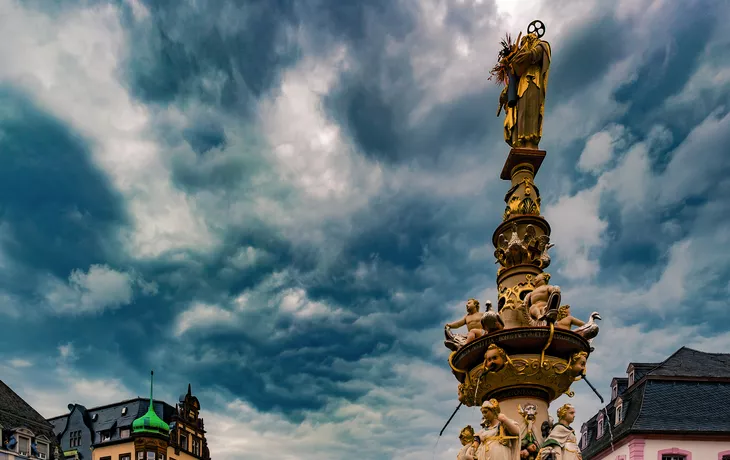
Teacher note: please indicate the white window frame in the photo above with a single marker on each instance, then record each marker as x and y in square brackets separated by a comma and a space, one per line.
[599, 426]
[44, 448]
[618, 417]
[631, 377]
[124, 433]
[27, 440]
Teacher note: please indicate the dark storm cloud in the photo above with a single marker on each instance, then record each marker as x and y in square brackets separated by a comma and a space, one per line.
[60, 210]
[586, 55]
[405, 259]
[668, 67]
[245, 43]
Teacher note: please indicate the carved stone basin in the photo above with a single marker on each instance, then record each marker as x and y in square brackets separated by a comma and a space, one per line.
[530, 373]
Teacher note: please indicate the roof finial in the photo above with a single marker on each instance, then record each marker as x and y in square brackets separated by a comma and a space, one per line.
[152, 378]
[190, 391]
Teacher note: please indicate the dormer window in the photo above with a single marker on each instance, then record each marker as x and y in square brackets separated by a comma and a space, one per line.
[599, 427]
[23, 446]
[42, 450]
[614, 391]
[619, 412]
[124, 411]
[105, 436]
[583, 436]
[631, 377]
[95, 417]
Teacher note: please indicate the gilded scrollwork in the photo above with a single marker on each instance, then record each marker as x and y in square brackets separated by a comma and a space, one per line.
[511, 298]
[521, 200]
[553, 374]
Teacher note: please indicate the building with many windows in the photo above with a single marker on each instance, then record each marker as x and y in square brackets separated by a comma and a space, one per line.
[24, 433]
[674, 410]
[134, 429]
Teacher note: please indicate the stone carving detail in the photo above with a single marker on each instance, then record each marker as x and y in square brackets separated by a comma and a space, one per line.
[511, 298]
[543, 297]
[499, 436]
[523, 68]
[566, 320]
[589, 330]
[552, 374]
[530, 249]
[477, 325]
[520, 199]
[466, 436]
[562, 443]
[529, 440]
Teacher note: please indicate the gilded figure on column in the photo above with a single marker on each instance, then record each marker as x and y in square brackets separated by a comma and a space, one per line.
[523, 68]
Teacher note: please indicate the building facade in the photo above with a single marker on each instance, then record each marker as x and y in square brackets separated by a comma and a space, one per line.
[24, 433]
[674, 410]
[134, 429]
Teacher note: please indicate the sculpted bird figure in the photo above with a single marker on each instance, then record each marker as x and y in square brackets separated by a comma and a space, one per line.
[491, 321]
[590, 329]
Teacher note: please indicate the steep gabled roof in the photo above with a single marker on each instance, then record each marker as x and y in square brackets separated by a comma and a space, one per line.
[14, 411]
[686, 393]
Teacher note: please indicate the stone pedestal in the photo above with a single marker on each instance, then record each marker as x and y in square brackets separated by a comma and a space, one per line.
[522, 240]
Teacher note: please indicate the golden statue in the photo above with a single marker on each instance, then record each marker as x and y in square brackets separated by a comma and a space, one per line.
[523, 68]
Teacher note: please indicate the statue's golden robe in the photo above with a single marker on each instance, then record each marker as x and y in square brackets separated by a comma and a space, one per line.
[523, 122]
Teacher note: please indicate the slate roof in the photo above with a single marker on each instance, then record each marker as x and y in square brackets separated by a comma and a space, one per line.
[16, 413]
[622, 384]
[110, 416]
[684, 394]
[692, 363]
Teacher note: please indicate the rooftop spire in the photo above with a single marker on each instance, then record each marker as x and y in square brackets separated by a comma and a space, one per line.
[151, 422]
[152, 380]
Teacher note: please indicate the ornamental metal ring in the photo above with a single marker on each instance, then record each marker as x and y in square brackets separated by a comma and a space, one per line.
[537, 27]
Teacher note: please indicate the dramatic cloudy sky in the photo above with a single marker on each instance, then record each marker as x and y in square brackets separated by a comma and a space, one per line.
[282, 202]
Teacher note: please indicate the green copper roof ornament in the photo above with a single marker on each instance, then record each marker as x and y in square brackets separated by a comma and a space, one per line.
[150, 422]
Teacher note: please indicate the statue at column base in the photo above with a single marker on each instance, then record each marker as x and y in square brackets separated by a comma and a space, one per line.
[499, 436]
[562, 443]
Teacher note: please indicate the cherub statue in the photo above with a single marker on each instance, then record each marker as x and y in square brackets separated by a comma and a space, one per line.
[499, 436]
[473, 322]
[529, 441]
[467, 452]
[565, 320]
[562, 443]
[536, 302]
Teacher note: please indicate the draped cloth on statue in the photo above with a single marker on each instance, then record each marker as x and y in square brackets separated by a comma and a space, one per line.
[529, 437]
[561, 442]
[523, 123]
[496, 444]
[466, 453]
